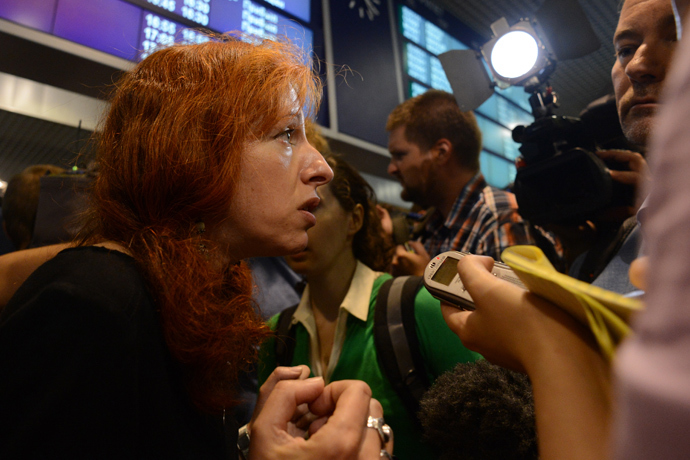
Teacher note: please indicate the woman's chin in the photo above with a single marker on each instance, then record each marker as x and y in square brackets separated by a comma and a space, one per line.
[293, 247]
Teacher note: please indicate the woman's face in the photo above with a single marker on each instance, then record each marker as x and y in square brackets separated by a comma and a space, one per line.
[330, 241]
[276, 194]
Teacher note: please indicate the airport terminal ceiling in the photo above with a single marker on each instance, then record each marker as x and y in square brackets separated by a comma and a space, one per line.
[578, 81]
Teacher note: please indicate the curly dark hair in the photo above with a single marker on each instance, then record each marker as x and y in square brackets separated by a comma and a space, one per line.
[480, 411]
[369, 245]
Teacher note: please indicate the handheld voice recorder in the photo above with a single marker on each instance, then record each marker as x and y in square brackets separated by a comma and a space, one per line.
[443, 282]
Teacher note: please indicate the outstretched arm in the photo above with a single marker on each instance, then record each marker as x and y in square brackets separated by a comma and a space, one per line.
[570, 379]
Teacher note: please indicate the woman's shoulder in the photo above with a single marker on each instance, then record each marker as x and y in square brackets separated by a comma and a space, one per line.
[84, 275]
[94, 265]
[83, 255]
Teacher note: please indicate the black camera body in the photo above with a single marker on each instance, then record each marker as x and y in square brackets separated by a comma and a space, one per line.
[560, 180]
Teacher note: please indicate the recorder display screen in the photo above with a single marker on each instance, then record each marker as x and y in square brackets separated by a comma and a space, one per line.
[447, 271]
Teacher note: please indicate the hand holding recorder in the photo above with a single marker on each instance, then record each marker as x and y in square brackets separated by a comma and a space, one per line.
[442, 280]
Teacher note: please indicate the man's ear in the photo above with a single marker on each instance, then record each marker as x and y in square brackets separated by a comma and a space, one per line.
[442, 151]
[356, 219]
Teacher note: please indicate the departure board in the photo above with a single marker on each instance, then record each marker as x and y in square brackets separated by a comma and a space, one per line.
[157, 31]
[206, 12]
[132, 29]
[422, 39]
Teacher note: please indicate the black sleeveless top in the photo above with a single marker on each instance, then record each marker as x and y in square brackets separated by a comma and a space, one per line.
[85, 371]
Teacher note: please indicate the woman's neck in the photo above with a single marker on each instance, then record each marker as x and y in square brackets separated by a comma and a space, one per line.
[328, 288]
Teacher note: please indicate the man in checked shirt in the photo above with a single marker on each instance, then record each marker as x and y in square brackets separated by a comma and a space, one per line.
[434, 151]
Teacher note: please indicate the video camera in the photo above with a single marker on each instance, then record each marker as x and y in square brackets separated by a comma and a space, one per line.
[560, 180]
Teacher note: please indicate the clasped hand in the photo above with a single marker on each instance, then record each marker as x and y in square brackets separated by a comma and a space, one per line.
[300, 418]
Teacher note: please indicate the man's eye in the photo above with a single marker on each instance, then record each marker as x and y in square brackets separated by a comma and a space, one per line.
[624, 52]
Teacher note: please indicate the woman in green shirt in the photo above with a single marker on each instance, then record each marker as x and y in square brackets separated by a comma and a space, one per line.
[344, 265]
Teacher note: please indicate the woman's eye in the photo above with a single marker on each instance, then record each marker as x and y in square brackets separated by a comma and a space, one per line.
[287, 135]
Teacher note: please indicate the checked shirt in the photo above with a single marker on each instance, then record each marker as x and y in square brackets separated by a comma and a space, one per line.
[484, 220]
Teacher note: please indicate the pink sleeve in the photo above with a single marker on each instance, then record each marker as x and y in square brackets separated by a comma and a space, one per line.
[653, 368]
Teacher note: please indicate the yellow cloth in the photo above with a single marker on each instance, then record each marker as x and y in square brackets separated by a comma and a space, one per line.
[606, 313]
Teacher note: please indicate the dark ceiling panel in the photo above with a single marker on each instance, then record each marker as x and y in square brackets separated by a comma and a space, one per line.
[26, 141]
[31, 60]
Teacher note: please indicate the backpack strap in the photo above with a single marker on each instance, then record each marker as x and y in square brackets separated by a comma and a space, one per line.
[285, 337]
[397, 344]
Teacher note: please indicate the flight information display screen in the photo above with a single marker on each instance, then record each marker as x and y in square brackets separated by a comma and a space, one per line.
[132, 29]
[208, 12]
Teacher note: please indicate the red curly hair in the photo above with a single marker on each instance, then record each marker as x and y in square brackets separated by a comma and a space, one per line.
[169, 155]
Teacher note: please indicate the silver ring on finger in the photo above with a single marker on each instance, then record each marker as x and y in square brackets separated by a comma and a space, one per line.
[385, 432]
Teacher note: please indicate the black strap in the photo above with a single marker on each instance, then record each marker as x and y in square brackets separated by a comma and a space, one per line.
[395, 337]
[285, 337]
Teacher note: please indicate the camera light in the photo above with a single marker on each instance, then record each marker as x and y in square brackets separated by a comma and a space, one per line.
[517, 55]
[514, 54]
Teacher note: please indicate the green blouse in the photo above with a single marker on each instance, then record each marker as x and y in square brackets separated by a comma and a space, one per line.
[440, 348]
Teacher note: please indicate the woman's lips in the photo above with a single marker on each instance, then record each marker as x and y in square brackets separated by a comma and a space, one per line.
[307, 210]
[300, 256]
[311, 218]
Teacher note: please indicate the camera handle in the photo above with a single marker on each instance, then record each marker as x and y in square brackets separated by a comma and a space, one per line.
[543, 99]
[543, 103]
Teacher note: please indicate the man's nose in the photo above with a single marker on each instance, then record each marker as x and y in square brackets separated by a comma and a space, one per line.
[392, 168]
[648, 65]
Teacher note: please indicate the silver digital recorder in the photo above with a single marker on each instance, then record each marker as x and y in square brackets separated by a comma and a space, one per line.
[443, 282]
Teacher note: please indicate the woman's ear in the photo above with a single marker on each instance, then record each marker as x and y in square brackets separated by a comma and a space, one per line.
[356, 219]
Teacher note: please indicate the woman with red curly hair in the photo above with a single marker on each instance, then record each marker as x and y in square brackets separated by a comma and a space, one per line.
[128, 345]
